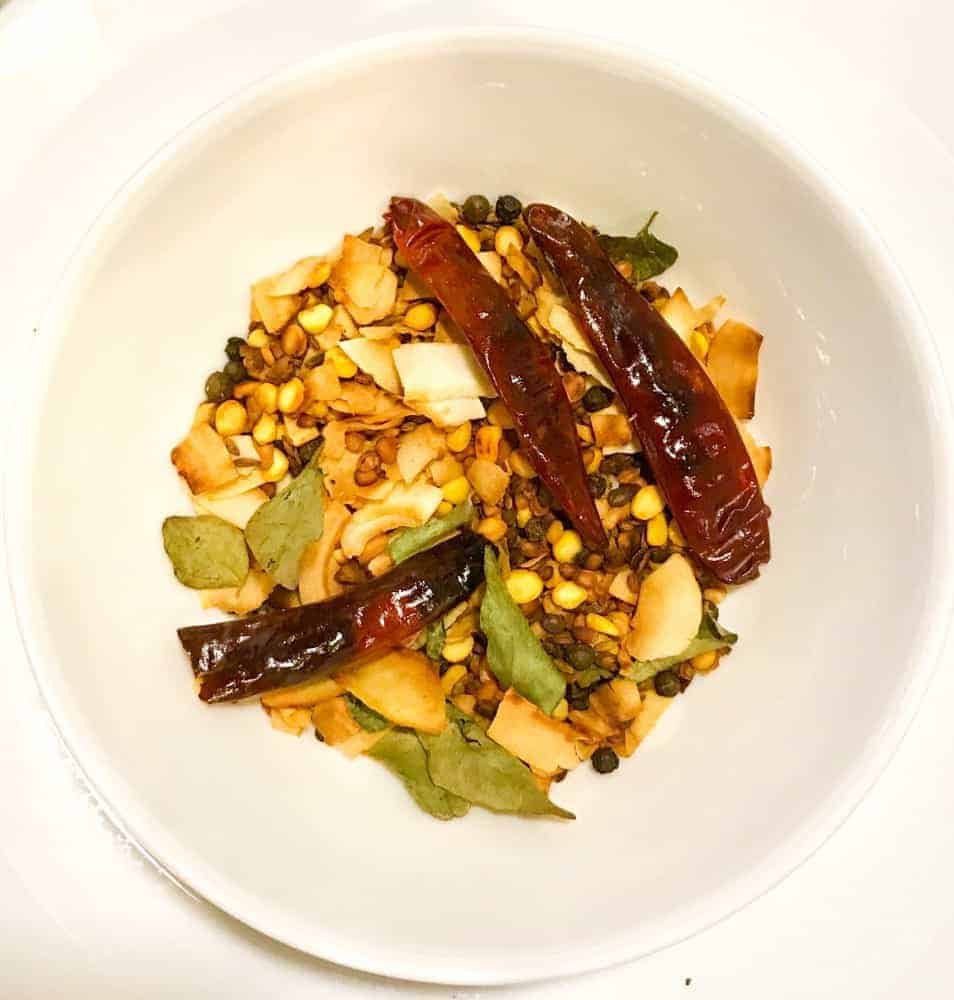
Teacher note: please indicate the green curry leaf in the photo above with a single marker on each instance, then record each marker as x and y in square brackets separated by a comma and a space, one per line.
[281, 529]
[647, 254]
[711, 635]
[413, 540]
[206, 552]
[369, 720]
[514, 653]
[434, 640]
[466, 762]
[401, 752]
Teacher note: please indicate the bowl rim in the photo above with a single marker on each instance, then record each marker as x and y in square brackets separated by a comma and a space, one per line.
[176, 861]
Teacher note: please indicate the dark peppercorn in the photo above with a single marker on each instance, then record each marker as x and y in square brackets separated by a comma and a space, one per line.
[613, 465]
[552, 648]
[596, 398]
[605, 760]
[236, 371]
[536, 529]
[218, 387]
[580, 656]
[577, 698]
[552, 624]
[508, 208]
[666, 683]
[597, 485]
[475, 209]
[621, 495]
[233, 348]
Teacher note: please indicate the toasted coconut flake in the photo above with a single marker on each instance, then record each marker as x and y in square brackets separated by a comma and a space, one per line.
[733, 366]
[404, 507]
[621, 589]
[668, 613]
[546, 745]
[618, 702]
[297, 434]
[305, 273]
[403, 686]
[304, 695]
[356, 398]
[273, 310]
[440, 203]
[240, 600]
[202, 459]
[587, 364]
[761, 455]
[432, 372]
[452, 412]
[493, 264]
[683, 317]
[236, 510]
[322, 384]
[363, 281]
[417, 449]
[316, 577]
[376, 359]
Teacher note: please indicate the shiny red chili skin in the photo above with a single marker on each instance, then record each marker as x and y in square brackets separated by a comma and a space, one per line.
[688, 435]
[236, 659]
[518, 365]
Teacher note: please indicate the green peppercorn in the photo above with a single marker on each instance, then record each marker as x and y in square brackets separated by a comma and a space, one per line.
[509, 517]
[595, 398]
[508, 208]
[659, 555]
[536, 529]
[544, 496]
[236, 371]
[666, 683]
[218, 387]
[553, 624]
[475, 210]
[621, 495]
[605, 760]
[233, 348]
[580, 656]
[597, 484]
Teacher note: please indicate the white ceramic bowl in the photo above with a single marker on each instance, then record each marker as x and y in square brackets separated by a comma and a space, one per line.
[749, 772]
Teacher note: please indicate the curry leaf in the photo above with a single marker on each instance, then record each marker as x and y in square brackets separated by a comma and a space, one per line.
[401, 752]
[369, 720]
[281, 529]
[434, 641]
[514, 653]
[206, 552]
[413, 540]
[647, 254]
[465, 761]
[711, 635]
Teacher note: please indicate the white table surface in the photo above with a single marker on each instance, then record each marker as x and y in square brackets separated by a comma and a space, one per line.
[88, 89]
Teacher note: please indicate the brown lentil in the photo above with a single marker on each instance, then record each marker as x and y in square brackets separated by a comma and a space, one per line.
[387, 449]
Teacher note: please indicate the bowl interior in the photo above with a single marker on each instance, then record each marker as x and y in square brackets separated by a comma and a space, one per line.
[734, 787]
